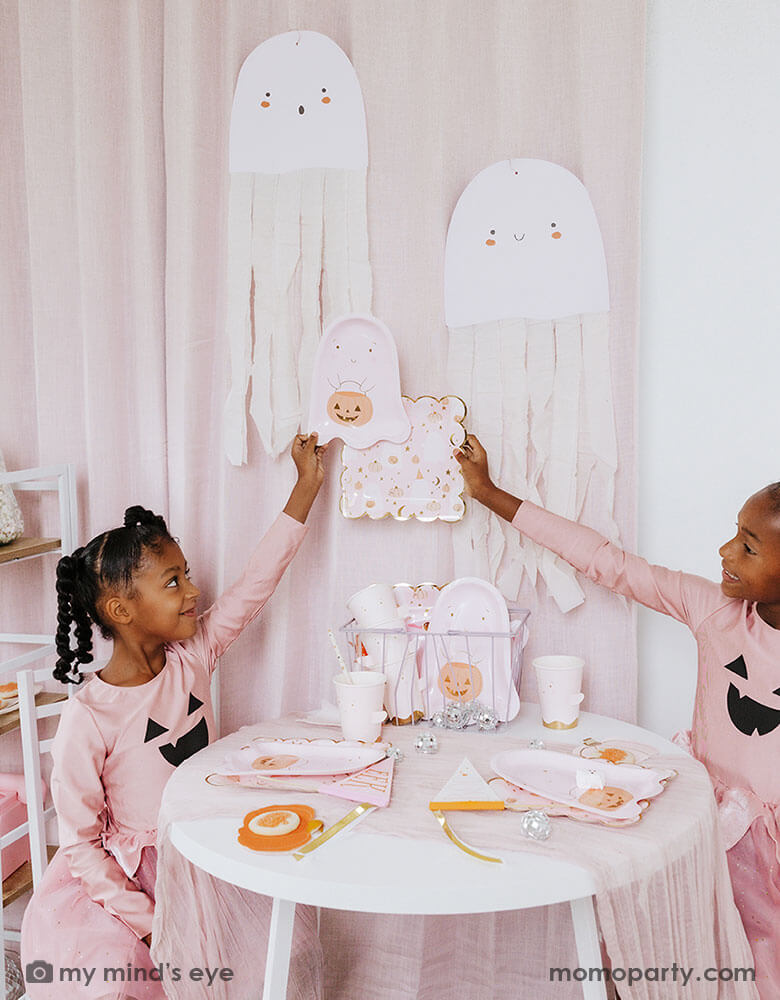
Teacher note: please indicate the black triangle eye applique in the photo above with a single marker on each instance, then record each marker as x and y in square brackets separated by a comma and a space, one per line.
[738, 666]
[749, 716]
[153, 729]
[196, 739]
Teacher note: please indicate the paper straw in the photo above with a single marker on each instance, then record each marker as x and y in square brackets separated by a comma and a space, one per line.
[339, 657]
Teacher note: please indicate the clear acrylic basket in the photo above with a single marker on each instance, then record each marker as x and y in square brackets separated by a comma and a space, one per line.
[427, 671]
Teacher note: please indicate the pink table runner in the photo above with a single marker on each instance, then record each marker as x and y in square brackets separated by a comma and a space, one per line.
[664, 899]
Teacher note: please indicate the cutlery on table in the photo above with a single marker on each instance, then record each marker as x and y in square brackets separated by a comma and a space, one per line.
[337, 827]
[458, 842]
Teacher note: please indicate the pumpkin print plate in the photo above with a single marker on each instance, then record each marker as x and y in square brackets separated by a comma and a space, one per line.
[475, 661]
[267, 757]
[519, 800]
[615, 751]
[415, 603]
[356, 386]
[416, 478]
[616, 790]
[9, 697]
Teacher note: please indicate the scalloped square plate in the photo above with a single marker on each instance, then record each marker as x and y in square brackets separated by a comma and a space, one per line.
[283, 757]
[418, 478]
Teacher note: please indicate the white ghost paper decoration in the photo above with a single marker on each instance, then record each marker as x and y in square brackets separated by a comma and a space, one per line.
[297, 230]
[356, 386]
[527, 306]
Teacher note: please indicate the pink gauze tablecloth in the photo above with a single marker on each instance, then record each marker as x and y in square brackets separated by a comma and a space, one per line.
[664, 897]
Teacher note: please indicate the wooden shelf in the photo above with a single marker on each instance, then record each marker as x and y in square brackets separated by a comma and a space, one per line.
[23, 548]
[21, 881]
[10, 721]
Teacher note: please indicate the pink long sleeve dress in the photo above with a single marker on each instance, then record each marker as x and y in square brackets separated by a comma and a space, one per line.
[114, 750]
[736, 718]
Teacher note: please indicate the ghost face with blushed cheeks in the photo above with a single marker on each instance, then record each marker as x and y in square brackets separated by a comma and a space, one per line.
[523, 241]
[297, 105]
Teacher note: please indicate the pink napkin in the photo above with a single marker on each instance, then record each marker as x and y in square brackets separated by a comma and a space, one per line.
[372, 784]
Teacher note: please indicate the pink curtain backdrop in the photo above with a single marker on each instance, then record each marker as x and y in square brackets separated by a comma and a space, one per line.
[114, 207]
[114, 215]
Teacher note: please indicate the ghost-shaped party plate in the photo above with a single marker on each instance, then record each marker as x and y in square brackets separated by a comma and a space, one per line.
[616, 790]
[356, 385]
[473, 648]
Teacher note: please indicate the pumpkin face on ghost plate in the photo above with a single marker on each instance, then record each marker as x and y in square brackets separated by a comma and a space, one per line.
[348, 406]
[278, 828]
[460, 681]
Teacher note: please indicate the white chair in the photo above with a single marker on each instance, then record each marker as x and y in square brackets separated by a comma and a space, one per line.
[32, 789]
[39, 815]
[15, 886]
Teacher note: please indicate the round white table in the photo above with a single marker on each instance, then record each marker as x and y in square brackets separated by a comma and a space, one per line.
[415, 876]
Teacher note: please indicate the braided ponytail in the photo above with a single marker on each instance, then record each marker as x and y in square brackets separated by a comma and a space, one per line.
[70, 613]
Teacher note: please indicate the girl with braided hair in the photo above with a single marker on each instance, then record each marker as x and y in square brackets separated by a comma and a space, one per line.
[124, 732]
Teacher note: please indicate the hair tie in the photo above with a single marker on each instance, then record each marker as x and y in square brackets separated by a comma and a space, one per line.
[136, 517]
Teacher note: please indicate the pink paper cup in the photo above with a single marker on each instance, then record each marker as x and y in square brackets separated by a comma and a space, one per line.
[360, 704]
[559, 679]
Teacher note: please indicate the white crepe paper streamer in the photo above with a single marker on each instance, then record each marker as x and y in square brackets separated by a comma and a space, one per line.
[537, 382]
[297, 228]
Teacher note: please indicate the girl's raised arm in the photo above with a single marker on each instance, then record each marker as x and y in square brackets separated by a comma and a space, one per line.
[474, 465]
[307, 455]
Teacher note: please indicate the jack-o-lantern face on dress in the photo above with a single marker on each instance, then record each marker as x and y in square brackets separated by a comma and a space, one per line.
[747, 714]
[349, 407]
[460, 681]
[186, 745]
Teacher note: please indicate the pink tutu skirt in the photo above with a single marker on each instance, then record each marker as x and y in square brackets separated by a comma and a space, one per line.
[74, 949]
[756, 882]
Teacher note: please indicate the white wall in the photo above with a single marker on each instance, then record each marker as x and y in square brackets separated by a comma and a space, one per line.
[709, 364]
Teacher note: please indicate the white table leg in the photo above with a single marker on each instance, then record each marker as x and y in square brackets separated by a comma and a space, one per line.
[277, 963]
[586, 935]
